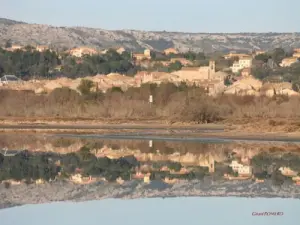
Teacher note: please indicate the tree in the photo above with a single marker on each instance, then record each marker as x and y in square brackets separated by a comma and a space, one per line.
[175, 66]
[85, 86]
[8, 44]
[262, 57]
[278, 55]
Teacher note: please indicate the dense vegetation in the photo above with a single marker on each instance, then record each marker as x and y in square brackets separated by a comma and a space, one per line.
[288, 74]
[29, 63]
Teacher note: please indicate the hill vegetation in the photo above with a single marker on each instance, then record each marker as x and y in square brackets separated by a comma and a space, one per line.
[60, 37]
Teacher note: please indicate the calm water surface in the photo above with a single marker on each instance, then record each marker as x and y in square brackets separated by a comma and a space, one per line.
[175, 211]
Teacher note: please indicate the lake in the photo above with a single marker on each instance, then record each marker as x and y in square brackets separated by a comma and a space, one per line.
[40, 168]
[175, 211]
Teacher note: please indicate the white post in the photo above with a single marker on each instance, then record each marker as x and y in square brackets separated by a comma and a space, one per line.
[150, 144]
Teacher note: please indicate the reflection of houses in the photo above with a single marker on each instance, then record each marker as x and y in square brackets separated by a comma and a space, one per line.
[170, 181]
[242, 170]
[208, 161]
[120, 180]
[40, 181]
[286, 171]
[147, 178]
[141, 176]
[79, 179]
[182, 171]
[11, 182]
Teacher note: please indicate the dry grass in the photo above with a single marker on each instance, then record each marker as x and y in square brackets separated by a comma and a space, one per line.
[170, 104]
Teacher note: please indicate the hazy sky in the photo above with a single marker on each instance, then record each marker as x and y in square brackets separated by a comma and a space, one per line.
[175, 211]
[169, 15]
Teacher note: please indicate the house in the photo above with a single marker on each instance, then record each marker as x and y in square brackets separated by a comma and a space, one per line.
[15, 48]
[296, 55]
[170, 51]
[286, 62]
[279, 88]
[232, 55]
[286, 171]
[297, 178]
[183, 61]
[245, 86]
[244, 62]
[120, 50]
[259, 52]
[81, 51]
[297, 50]
[141, 56]
[204, 73]
[246, 72]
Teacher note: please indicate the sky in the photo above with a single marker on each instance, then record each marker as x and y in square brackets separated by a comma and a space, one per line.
[218, 16]
[154, 211]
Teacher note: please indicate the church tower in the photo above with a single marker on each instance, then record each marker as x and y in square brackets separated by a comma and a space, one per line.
[212, 69]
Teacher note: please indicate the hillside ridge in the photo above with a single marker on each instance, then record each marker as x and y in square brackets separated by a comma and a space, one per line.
[68, 37]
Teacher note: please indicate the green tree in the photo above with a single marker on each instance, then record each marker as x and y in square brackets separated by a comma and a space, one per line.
[262, 57]
[8, 44]
[85, 86]
[175, 66]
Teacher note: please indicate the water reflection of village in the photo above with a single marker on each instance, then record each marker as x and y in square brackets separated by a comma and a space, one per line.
[148, 161]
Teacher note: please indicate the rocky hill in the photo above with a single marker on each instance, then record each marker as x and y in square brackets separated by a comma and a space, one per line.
[59, 37]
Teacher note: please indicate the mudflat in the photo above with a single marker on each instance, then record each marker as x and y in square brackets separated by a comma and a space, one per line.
[131, 129]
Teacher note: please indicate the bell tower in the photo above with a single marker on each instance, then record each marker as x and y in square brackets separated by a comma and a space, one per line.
[212, 69]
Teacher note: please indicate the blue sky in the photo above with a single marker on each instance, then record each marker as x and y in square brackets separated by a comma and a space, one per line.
[169, 15]
[175, 211]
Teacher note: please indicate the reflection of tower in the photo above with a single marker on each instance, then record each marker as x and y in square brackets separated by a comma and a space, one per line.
[212, 69]
[211, 167]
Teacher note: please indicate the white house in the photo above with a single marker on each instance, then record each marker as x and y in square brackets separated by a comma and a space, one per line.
[245, 62]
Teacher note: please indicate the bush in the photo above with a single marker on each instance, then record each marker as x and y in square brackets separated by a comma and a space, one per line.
[85, 86]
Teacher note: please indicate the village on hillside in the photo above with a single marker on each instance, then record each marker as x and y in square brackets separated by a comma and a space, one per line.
[254, 73]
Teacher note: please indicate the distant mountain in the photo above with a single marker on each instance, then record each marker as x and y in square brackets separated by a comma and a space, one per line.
[4, 21]
[59, 37]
